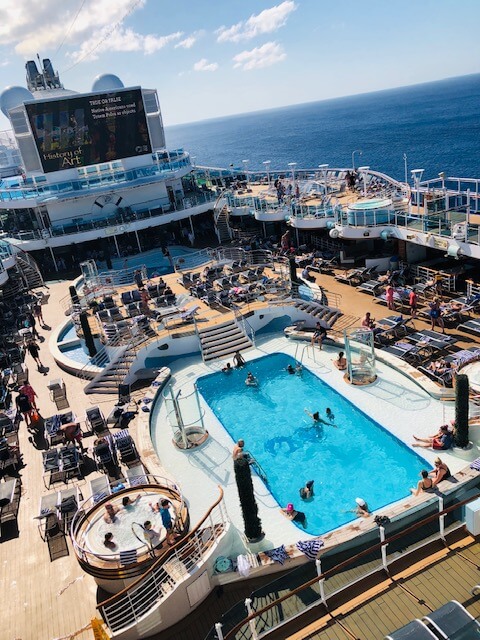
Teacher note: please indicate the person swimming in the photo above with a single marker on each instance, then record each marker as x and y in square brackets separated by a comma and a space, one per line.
[330, 415]
[250, 380]
[306, 492]
[290, 369]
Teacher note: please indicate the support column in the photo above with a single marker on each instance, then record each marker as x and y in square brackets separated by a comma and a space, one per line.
[138, 241]
[53, 258]
[116, 246]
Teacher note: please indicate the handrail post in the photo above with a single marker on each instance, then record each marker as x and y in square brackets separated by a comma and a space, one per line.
[321, 582]
[384, 548]
[441, 519]
[251, 623]
[218, 630]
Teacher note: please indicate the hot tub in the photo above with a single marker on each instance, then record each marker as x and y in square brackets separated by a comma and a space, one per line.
[127, 528]
[370, 212]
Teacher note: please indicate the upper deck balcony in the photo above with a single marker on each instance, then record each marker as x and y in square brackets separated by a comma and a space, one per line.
[107, 175]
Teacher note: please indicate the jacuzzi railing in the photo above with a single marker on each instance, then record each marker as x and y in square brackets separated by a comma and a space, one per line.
[82, 518]
[177, 564]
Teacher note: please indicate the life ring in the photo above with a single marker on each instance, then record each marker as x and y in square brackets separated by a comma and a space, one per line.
[274, 445]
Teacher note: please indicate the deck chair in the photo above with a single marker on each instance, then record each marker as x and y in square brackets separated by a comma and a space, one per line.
[51, 467]
[100, 489]
[67, 505]
[125, 446]
[354, 276]
[53, 433]
[136, 475]
[71, 460]
[188, 314]
[451, 619]
[126, 297]
[371, 286]
[96, 420]
[8, 458]
[104, 456]
[415, 630]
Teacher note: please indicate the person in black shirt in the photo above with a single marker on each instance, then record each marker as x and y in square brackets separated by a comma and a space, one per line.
[23, 405]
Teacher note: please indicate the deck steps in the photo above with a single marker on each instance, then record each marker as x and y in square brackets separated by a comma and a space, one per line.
[223, 340]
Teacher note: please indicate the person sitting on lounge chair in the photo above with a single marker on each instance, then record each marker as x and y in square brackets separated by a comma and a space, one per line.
[441, 440]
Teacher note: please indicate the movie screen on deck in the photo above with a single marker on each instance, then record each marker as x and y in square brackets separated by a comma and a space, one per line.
[84, 130]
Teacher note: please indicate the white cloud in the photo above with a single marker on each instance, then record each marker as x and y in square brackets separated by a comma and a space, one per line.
[187, 43]
[265, 56]
[266, 21]
[98, 27]
[204, 65]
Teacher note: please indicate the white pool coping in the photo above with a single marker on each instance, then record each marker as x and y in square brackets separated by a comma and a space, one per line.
[394, 401]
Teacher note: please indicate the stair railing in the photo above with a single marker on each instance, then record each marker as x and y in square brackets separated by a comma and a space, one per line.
[244, 324]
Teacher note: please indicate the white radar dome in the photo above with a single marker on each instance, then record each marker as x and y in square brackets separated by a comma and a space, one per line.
[13, 97]
[107, 82]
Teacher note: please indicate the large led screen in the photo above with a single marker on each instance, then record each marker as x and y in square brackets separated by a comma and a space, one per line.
[83, 130]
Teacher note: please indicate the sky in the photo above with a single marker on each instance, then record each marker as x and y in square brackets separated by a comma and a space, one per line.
[213, 58]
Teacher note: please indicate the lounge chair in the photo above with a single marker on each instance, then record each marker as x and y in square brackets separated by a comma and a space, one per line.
[188, 314]
[415, 630]
[125, 446]
[104, 456]
[71, 460]
[471, 326]
[451, 619]
[355, 276]
[51, 467]
[136, 475]
[371, 286]
[67, 505]
[95, 418]
[100, 489]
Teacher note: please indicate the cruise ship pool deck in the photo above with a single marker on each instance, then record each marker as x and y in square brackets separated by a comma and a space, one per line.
[393, 401]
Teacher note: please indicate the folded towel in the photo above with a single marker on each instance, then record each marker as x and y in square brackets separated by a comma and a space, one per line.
[278, 554]
[310, 547]
[475, 464]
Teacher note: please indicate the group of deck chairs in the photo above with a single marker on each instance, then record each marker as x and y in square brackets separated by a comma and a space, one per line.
[61, 463]
[101, 487]
[111, 449]
[451, 620]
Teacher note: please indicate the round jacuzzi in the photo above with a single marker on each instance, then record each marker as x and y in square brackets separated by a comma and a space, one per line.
[368, 212]
[472, 370]
[127, 527]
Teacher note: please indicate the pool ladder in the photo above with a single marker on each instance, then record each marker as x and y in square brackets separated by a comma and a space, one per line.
[305, 346]
[257, 467]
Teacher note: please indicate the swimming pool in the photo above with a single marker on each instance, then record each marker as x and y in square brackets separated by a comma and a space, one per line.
[154, 260]
[357, 458]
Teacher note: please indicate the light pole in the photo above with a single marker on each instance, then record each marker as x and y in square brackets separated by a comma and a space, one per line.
[353, 157]
[406, 167]
[363, 172]
[267, 169]
[292, 166]
[323, 172]
[417, 176]
[245, 168]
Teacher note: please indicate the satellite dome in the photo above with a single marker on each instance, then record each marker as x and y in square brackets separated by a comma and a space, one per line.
[107, 82]
[13, 97]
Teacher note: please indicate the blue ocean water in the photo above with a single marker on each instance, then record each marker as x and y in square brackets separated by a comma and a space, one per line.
[437, 125]
[292, 449]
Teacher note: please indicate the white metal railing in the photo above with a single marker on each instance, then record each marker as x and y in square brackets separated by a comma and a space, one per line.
[125, 608]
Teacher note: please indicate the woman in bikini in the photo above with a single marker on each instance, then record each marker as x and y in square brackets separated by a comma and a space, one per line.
[424, 484]
[441, 471]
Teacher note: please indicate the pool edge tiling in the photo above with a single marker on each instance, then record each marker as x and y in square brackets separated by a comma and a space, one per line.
[405, 409]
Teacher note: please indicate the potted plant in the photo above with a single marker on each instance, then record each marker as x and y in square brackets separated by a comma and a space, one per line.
[252, 523]
[462, 397]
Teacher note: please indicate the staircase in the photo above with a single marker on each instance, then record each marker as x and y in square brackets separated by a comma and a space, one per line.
[328, 315]
[116, 364]
[222, 340]
[29, 270]
[221, 220]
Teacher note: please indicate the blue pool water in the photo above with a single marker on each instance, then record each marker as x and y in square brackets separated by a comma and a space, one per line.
[68, 333]
[357, 458]
[76, 353]
[154, 260]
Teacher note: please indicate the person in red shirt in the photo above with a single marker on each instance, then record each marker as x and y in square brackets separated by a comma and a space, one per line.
[412, 301]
